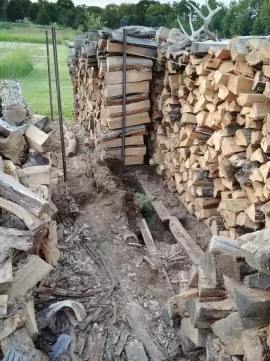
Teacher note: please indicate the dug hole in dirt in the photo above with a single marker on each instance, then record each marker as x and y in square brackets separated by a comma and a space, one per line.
[122, 287]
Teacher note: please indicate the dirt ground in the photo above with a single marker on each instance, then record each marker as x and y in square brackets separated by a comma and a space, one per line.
[123, 295]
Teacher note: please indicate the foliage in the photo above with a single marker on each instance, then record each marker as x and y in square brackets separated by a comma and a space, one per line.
[93, 22]
[239, 17]
[5, 26]
[15, 63]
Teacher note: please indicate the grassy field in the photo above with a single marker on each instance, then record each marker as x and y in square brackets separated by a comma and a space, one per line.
[35, 84]
[31, 33]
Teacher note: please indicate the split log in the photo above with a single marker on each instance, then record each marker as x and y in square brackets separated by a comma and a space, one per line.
[13, 191]
[197, 336]
[28, 276]
[233, 267]
[133, 108]
[258, 280]
[256, 250]
[206, 289]
[132, 76]
[204, 314]
[14, 108]
[6, 129]
[71, 143]
[9, 326]
[115, 63]
[229, 331]
[182, 298]
[6, 276]
[3, 305]
[32, 222]
[132, 119]
[131, 50]
[35, 175]
[116, 90]
[13, 147]
[253, 306]
[37, 139]
[13, 238]
[220, 245]
[22, 343]
[255, 344]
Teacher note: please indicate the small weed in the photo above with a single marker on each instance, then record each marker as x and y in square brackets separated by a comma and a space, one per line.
[145, 207]
[15, 63]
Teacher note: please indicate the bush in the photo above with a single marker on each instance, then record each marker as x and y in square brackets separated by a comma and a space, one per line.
[15, 63]
[5, 26]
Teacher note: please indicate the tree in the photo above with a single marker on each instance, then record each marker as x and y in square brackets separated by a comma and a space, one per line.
[141, 10]
[25, 5]
[110, 16]
[33, 11]
[261, 24]
[157, 14]
[53, 11]
[43, 17]
[3, 5]
[123, 21]
[14, 11]
[66, 4]
[93, 22]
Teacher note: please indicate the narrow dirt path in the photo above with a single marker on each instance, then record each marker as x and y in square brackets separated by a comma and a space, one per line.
[123, 295]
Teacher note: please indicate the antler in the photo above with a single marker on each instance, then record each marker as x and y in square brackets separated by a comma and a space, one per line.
[194, 33]
[206, 21]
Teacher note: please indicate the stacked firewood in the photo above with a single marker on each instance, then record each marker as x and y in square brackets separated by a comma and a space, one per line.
[212, 145]
[98, 91]
[28, 220]
[224, 300]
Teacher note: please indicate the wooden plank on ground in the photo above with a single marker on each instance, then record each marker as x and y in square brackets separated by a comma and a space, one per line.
[193, 250]
[147, 237]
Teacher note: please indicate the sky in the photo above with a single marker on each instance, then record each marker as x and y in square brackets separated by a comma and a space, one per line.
[103, 3]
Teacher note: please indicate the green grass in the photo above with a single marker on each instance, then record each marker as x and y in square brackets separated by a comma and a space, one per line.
[35, 84]
[15, 63]
[32, 33]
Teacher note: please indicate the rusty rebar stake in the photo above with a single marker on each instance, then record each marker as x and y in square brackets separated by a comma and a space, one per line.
[49, 72]
[124, 93]
[59, 104]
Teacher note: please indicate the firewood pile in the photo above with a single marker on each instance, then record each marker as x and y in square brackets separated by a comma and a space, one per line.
[96, 71]
[28, 219]
[212, 145]
[224, 299]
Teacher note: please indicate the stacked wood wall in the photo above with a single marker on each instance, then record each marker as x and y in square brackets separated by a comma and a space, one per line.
[98, 86]
[212, 144]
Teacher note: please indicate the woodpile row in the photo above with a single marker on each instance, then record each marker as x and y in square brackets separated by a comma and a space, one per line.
[224, 298]
[28, 220]
[212, 145]
[96, 71]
